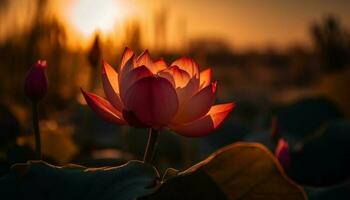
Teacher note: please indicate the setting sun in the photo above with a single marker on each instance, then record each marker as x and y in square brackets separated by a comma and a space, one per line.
[89, 16]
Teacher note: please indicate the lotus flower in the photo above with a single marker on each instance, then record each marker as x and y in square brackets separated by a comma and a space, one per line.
[35, 86]
[147, 93]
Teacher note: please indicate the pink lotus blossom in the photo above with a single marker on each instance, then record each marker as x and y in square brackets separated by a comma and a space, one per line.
[35, 86]
[147, 93]
[282, 153]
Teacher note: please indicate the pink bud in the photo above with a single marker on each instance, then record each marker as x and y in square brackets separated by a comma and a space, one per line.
[35, 86]
[282, 153]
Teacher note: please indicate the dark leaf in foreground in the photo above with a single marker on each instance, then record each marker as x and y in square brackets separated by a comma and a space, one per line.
[39, 180]
[237, 171]
[323, 159]
[339, 192]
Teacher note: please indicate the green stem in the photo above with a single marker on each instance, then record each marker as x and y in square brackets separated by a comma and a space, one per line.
[151, 145]
[36, 131]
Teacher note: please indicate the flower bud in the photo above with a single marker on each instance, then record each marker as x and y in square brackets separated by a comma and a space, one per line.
[282, 153]
[35, 86]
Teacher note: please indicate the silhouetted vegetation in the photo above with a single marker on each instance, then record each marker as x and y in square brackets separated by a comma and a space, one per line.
[332, 43]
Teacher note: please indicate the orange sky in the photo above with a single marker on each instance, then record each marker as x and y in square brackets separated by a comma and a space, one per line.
[246, 23]
[243, 23]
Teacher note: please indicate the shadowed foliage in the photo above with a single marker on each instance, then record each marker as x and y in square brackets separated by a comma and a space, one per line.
[237, 171]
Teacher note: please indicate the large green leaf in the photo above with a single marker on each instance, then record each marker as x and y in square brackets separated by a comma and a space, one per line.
[237, 171]
[321, 158]
[39, 180]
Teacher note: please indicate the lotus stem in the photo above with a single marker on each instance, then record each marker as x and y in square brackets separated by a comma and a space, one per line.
[151, 145]
[36, 130]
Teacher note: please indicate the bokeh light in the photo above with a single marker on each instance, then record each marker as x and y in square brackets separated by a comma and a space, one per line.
[89, 16]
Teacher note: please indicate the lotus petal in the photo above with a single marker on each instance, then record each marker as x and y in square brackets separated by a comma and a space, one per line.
[205, 125]
[103, 108]
[187, 64]
[127, 54]
[110, 84]
[144, 59]
[197, 106]
[159, 65]
[177, 76]
[205, 78]
[127, 64]
[187, 91]
[129, 79]
[152, 100]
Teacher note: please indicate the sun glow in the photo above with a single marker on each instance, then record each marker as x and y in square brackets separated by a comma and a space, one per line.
[90, 16]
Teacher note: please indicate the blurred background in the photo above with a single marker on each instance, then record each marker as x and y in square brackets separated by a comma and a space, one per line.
[285, 64]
